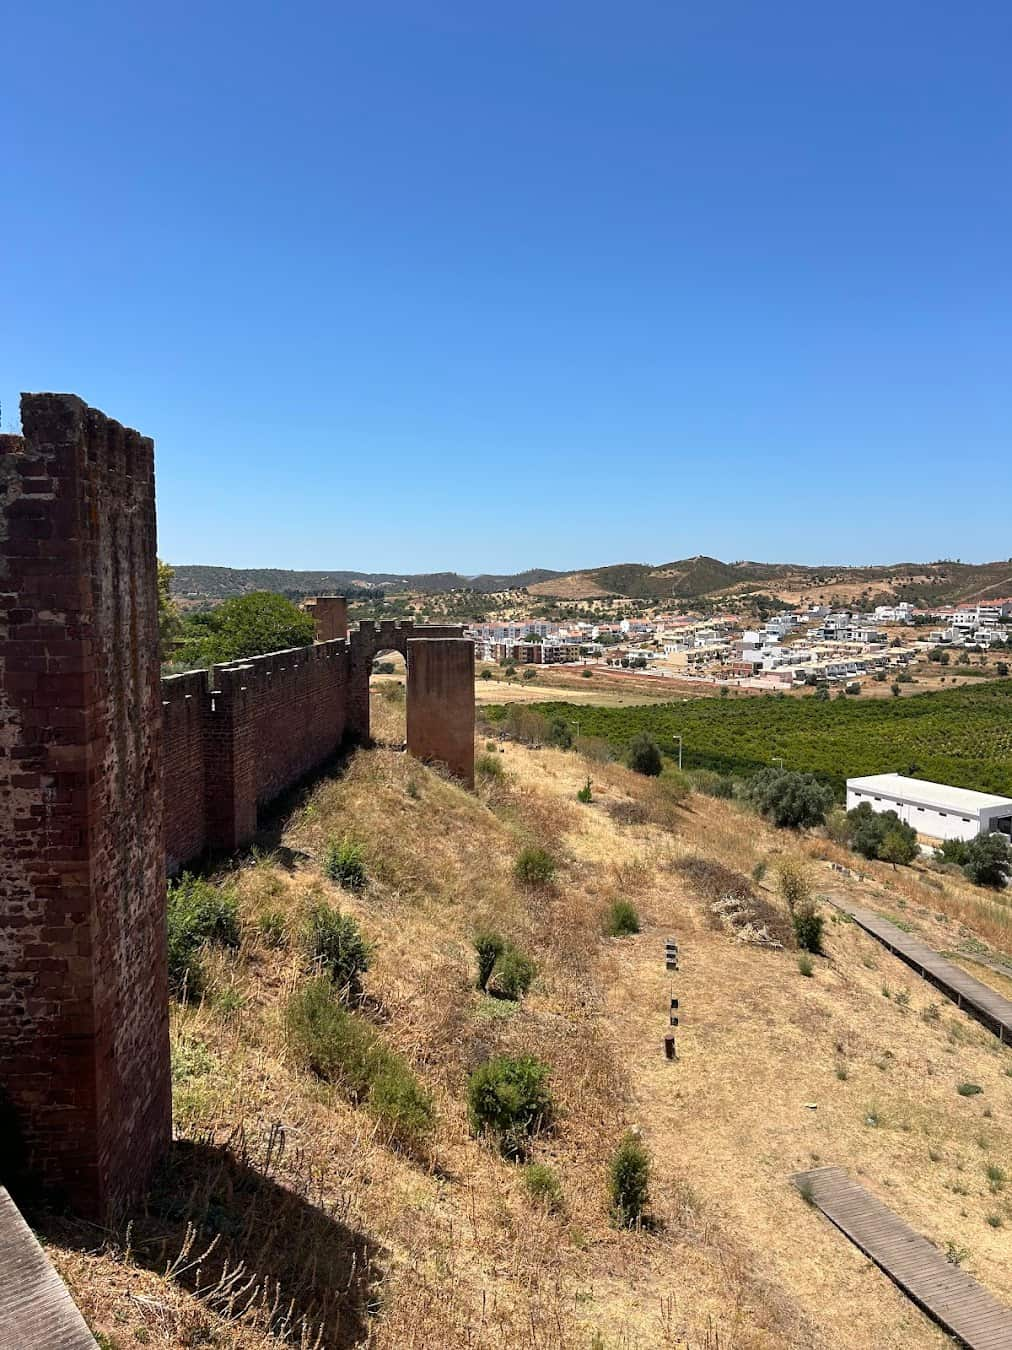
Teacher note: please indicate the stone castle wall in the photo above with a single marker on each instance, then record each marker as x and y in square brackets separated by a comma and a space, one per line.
[84, 1047]
[237, 739]
[108, 775]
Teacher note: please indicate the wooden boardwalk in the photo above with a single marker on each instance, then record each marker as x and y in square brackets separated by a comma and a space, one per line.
[36, 1310]
[949, 1296]
[989, 1007]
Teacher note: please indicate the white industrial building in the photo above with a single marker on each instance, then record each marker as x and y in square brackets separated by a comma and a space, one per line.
[933, 809]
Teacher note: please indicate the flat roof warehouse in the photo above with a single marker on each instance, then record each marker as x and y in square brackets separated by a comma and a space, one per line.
[939, 795]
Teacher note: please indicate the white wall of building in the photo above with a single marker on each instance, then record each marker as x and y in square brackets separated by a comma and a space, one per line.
[935, 821]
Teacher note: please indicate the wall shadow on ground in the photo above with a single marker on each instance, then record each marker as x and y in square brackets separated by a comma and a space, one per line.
[225, 1227]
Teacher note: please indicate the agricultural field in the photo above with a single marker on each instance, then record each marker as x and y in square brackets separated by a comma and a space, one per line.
[959, 736]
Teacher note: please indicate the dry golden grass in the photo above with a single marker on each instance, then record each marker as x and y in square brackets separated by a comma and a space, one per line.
[775, 1072]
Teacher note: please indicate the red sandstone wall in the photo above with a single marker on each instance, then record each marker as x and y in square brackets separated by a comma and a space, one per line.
[330, 617]
[441, 703]
[366, 643]
[184, 708]
[296, 705]
[84, 1053]
[237, 741]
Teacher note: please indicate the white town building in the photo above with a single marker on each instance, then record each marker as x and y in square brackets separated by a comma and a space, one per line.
[933, 809]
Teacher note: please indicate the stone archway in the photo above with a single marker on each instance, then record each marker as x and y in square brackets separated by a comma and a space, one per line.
[366, 642]
[388, 699]
[440, 690]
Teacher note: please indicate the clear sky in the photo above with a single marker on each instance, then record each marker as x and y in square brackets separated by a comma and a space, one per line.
[441, 284]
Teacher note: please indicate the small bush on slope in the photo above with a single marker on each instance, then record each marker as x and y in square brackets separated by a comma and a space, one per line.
[534, 867]
[336, 942]
[621, 920]
[197, 913]
[344, 863]
[628, 1181]
[509, 1099]
[343, 1049]
[645, 755]
[489, 947]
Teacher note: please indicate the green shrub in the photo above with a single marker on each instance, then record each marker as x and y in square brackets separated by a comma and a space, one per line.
[489, 947]
[514, 973]
[488, 766]
[952, 851]
[400, 1105]
[628, 1181]
[336, 942]
[790, 800]
[543, 1186]
[559, 733]
[899, 846]
[585, 794]
[621, 919]
[272, 929]
[988, 861]
[197, 913]
[335, 1044]
[343, 1049]
[805, 965]
[969, 1089]
[534, 866]
[509, 1099]
[995, 1176]
[645, 755]
[808, 927]
[881, 834]
[344, 863]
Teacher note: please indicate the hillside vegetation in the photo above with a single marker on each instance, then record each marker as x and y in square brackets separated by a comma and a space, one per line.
[334, 1192]
[195, 581]
[959, 736]
[704, 578]
[691, 579]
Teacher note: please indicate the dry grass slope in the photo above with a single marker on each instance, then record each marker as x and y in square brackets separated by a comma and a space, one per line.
[347, 1240]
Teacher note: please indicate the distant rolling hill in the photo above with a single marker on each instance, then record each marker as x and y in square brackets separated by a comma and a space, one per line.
[197, 582]
[683, 581]
[704, 578]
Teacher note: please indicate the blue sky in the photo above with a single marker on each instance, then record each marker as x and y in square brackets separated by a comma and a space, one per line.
[434, 285]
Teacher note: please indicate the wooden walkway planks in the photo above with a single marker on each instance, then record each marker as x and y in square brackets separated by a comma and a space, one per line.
[955, 1300]
[989, 1007]
[36, 1310]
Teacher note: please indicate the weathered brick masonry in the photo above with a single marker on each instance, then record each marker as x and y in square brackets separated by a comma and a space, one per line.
[367, 642]
[84, 1050]
[106, 775]
[330, 616]
[234, 741]
[441, 703]
[237, 740]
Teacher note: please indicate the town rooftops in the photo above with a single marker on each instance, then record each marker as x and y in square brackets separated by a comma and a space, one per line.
[928, 794]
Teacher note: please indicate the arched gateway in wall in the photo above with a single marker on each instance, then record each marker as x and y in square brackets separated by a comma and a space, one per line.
[365, 644]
